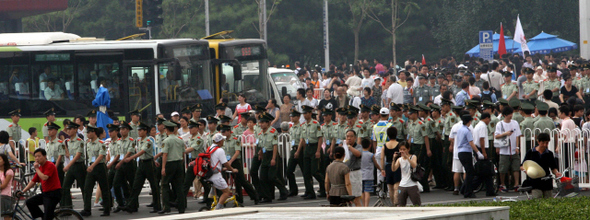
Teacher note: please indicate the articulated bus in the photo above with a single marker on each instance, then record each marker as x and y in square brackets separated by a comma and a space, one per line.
[39, 71]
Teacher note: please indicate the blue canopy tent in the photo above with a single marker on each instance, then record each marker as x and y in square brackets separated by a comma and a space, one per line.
[102, 101]
[547, 43]
[510, 45]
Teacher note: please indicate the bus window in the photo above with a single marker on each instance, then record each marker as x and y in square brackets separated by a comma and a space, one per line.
[18, 82]
[183, 83]
[250, 85]
[140, 82]
[54, 81]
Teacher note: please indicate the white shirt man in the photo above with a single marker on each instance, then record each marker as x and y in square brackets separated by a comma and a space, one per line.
[395, 93]
[353, 82]
[502, 127]
[495, 79]
[53, 94]
[480, 131]
[457, 167]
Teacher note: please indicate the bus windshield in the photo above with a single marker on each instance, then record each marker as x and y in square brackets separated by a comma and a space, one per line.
[251, 84]
[185, 84]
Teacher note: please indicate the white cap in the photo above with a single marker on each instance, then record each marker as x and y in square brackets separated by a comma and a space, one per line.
[218, 137]
[384, 111]
[174, 114]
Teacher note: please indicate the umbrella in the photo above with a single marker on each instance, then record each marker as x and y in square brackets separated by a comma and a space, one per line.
[547, 43]
[102, 101]
[510, 45]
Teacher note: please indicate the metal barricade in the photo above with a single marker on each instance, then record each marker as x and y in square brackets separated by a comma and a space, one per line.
[284, 148]
[248, 152]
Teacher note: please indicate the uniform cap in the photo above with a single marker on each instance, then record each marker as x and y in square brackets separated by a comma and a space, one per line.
[507, 74]
[306, 109]
[434, 107]
[197, 107]
[528, 70]
[224, 128]
[423, 107]
[212, 119]
[414, 109]
[160, 120]
[186, 110]
[15, 112]
[444, 101]
[457, 107]
[265, 117]
[49, 112]
[341, 111]
[92, 113]
[542, 106]
[551, 69]
[352, 108]
[224, 118]
[143, 126]
[259, 108]
[351, 114]
[375, 109]
[527, 106]
[193, 124]
[394, 107]
[125, 124]
[73, 125]
[90, 128]
[514, 103]
[221, 106]
[112, 127]
[169, 124]
[503, 101]
[294, 113]
[365, 108]
[135, 112]
[51, 125]
[327, 112]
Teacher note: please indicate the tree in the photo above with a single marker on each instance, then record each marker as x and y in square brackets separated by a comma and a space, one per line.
[56, 21]
[406, 7]
[179, 15]
[262, 21]
[358, 11]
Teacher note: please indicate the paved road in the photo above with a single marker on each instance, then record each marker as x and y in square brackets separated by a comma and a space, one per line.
[434, 197]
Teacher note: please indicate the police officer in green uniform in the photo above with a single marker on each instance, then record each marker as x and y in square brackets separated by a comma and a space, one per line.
[56, 150]
[145, 155]
[509, 88]
[212, 123]
[397, 121]
[135, 117]
[515, 104]
[488, 107]
[196, 110]
[160, 137]
[91, 120]
[97, 172]
[530, 87]
[76, 168]
[14, 130]
[295, 132]
[233, 152]
[172, 168]
[544, 124]
[186, 112]
[422, 93]
[417, 136]
[50, 116]
[434, 89]
[309, 148]
[341, 128]
[267, 140]
[196, 146]
[125, 148]
[243, 125]
[433, 125]
[329, 136]
[552, 83]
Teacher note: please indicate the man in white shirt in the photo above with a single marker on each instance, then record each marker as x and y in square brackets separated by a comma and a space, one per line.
[438, 98]
[53, 92]
[510, 154]
[457, 167]
[367, 81]
[219, 160]
[395, 92]
[480, 133]
[354, 83]
[301, 101]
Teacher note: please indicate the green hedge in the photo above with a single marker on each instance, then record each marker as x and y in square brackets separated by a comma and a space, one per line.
[563, 208]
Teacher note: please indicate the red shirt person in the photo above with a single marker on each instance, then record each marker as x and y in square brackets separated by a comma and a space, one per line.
[46, 173]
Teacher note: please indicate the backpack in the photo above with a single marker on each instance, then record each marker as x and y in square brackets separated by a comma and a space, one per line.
[203, 167]
[486, 96]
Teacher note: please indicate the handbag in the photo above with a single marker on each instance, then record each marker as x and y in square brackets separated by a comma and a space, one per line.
[417, 173]
[501, 142]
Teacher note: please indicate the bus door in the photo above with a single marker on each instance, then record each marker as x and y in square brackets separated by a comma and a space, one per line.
[139, 89]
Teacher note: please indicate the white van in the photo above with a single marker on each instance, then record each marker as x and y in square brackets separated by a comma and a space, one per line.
[283, 80]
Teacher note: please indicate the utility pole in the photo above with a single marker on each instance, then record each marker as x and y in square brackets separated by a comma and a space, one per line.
[207, 18]
[326, 38]
[584, 28]
[263, 5]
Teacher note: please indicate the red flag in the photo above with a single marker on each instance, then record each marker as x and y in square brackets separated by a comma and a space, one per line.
[423, 60]
[502, 44]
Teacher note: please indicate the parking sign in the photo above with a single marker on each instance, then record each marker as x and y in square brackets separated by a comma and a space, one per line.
[486, 45]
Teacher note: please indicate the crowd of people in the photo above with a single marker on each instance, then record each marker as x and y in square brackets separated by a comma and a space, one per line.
[349, 128]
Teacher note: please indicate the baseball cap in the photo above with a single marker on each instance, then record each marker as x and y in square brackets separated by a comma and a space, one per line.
[384, 111]
[218, 137]
[174, 114]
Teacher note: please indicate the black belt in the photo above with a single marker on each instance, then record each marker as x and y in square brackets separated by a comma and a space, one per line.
[149, 159]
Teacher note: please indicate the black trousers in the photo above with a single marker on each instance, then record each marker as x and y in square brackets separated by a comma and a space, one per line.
[466, 159]
[49, 200]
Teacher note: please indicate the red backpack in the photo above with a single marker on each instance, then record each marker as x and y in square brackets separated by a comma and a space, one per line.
[203, 167]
